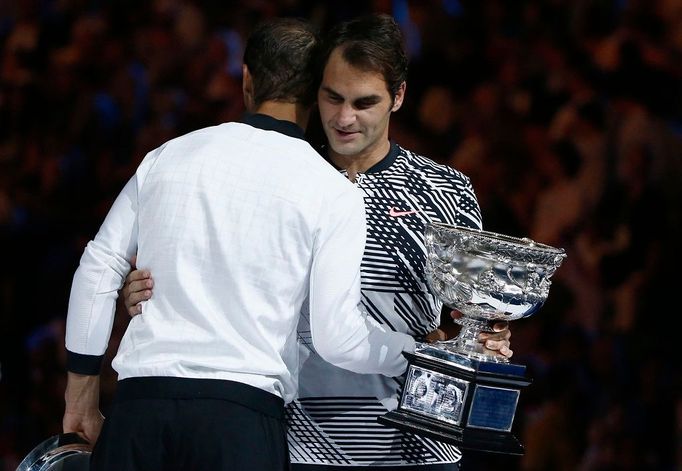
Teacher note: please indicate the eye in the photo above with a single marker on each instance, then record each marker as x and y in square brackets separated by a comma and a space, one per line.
[365, 103]
[334, 98]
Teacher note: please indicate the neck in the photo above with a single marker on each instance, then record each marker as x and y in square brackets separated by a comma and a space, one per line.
[360, 163]
[293, 112]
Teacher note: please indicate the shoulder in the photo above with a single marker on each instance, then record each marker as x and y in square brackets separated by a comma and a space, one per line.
[425, 168]
[446, 191]
[202, 133]
[236, 131]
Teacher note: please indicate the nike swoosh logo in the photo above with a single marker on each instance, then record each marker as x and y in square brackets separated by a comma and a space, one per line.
[393, 212]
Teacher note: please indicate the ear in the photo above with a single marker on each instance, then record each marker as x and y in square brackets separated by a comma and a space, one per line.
[399, 96]
[247, 88]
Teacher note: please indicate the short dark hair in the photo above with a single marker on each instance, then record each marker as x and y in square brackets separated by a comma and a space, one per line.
[372, 43]
[280, 55]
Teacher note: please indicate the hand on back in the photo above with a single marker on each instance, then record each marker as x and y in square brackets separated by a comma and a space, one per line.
[137, 288]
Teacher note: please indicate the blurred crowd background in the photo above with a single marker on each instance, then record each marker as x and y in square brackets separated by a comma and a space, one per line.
[566, 114]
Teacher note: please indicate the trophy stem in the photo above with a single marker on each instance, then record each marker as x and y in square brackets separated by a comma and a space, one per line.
[466, 343]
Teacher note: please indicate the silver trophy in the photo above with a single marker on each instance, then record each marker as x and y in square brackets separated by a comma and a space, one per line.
[454, 391]
[65, 452]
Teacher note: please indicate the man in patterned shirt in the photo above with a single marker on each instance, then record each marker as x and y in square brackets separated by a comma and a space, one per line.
[333, 423]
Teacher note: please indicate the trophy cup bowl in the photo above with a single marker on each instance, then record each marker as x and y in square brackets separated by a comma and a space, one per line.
[487, 277]
[454, 390]
[65, 452]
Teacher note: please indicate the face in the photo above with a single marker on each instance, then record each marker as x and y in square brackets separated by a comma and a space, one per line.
[355, 108]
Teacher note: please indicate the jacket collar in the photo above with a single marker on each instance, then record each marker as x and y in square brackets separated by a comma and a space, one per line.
[268, 123]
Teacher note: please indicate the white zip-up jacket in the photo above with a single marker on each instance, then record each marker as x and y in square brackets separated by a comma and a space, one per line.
[240, 225]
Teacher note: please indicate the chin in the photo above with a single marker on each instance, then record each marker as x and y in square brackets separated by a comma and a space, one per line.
[346, 152]
[344, 148]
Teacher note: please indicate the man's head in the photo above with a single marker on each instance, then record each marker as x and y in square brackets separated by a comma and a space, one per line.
[279, 63]
[364, 68]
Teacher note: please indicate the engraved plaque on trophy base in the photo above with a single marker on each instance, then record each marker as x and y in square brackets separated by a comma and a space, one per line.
[455, 399]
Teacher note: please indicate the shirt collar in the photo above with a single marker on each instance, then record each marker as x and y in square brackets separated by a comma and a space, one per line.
[268, 123]
[387, 161]
[381, 165]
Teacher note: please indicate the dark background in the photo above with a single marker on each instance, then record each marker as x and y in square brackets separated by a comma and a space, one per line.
[566, 114]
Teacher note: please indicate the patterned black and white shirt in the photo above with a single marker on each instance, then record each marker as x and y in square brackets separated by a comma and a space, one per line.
[334, 420]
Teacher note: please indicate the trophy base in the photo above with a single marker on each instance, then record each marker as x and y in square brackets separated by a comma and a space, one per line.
[472, 439]
[460, 400]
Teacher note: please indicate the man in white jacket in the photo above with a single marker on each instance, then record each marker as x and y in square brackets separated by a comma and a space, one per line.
[242, 225]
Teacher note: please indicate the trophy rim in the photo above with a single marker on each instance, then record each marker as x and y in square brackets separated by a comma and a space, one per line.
[52, 448]
[524, 242]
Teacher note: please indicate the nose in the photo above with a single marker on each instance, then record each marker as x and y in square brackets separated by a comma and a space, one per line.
[346, 116]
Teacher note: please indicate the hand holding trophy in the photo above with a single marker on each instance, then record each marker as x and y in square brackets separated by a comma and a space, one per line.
[454, 391]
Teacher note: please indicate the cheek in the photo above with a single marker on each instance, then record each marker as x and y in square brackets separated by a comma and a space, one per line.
[371, 121]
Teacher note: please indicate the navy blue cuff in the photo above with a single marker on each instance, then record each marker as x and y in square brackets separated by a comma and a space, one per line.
[83, 364]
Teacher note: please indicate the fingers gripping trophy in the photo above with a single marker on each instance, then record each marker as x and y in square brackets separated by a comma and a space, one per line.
[454, 391]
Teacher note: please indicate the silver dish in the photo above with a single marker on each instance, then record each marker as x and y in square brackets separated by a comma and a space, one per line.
[65, 452]
[487, 277]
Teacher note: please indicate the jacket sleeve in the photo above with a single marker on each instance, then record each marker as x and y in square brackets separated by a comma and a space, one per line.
[342, 334]
[101, 273]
